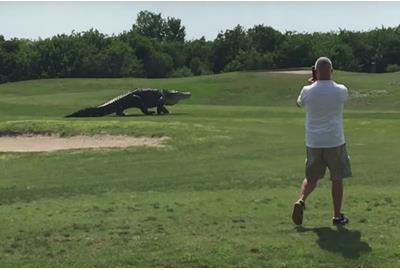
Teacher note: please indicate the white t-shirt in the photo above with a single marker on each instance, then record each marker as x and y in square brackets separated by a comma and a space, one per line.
[323, 101]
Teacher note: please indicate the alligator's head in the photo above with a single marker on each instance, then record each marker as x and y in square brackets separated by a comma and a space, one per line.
[172, 97]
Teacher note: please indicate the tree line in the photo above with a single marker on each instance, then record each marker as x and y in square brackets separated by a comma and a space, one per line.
[156, 47]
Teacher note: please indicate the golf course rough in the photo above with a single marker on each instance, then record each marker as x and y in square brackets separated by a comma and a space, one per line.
[219, 194]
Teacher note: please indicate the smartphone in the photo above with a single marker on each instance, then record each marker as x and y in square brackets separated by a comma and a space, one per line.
[314, 73]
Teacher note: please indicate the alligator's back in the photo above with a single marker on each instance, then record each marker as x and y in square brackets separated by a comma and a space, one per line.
[148, 98]
[111, 106]
[115, 101]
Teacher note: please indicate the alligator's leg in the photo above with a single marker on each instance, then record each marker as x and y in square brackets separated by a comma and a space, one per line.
[147, 112]
[160, 104]
[138, 102]
[161, 107]
[120, 113]
[164, 110]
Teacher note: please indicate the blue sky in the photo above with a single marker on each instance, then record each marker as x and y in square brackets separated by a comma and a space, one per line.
[44, 19]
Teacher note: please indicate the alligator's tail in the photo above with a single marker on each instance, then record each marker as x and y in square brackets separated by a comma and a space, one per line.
[88, 112]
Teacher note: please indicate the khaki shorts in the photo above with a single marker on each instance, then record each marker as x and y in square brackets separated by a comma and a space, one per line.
[335, 158]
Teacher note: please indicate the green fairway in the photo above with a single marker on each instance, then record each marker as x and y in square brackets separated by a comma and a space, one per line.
[219, 194]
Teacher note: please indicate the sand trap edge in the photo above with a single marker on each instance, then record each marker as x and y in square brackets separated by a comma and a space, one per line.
[26, 143]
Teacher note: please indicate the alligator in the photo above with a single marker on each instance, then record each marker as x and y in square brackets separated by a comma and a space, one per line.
[142, 98]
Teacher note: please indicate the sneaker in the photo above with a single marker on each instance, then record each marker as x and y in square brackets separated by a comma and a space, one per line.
[342, 220]
[298, 209]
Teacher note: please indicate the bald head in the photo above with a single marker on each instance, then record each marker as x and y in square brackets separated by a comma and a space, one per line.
[324, 69]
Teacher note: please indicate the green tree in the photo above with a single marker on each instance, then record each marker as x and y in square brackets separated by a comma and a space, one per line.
[119, 60]
[264, 38]
[295, 51]
[173, 30]
[150, 25]
[199, 56]
[158, 65]
[227, 46]
[253, 60]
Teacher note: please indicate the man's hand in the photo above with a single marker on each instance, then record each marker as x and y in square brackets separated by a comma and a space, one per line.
[313, 79]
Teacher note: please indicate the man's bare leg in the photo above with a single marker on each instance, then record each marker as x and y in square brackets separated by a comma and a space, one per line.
[306, 188]
[337, 195]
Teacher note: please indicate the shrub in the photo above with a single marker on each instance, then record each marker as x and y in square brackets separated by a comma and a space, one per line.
[392, 68]
[182, 72]
[234, 65]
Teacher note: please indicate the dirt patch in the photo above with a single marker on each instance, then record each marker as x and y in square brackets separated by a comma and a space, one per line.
[41, 143]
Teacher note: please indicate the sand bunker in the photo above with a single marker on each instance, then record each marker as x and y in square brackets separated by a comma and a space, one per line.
[301, 72]
[368, 93]
[39, 143]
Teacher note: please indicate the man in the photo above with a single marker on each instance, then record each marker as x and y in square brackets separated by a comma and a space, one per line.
[325, 143]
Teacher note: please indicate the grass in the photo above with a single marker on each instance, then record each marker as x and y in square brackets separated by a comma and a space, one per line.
[220, 194]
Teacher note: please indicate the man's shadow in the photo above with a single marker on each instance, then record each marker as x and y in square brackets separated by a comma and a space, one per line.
[340, 240]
